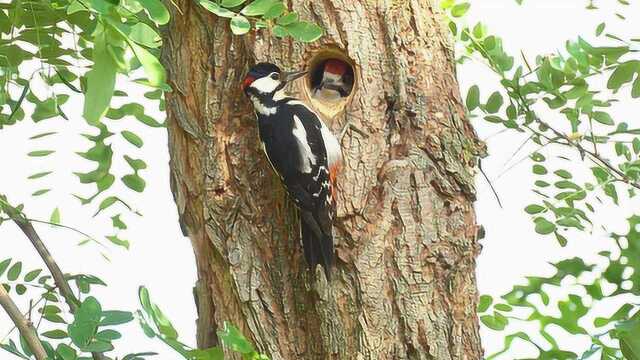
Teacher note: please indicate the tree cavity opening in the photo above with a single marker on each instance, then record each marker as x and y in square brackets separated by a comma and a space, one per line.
[331, 82]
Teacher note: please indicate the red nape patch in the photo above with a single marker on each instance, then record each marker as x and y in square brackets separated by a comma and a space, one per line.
[335, 67]
[247, 81]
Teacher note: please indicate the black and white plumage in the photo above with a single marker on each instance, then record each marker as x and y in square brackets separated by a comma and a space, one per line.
[303, 152]
[334, 82]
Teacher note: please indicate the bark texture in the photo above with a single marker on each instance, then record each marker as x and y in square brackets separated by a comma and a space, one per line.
[404, 286]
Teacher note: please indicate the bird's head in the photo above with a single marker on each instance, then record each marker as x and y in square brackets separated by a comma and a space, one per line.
[335, 75]
[266, 79]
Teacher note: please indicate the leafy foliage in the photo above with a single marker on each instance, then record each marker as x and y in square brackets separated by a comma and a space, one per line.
[586, 134]
[53, 50]
[261, 14]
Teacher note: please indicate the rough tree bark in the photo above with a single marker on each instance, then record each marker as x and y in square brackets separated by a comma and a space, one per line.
[404, 287]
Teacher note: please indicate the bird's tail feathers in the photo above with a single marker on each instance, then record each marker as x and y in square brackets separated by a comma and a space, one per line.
[316, 241]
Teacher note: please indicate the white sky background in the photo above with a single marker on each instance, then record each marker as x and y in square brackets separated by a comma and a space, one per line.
[162, 259]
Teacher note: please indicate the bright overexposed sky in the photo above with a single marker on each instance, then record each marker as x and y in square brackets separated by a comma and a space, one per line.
[162, 259]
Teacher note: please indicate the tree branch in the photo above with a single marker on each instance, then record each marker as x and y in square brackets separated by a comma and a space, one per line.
[24, 326]
[595, 157]
[58, 277]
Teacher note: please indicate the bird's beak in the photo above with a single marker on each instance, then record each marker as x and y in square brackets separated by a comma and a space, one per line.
[292, 75]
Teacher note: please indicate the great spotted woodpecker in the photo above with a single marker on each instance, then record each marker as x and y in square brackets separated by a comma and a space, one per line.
[303, 152]
[336, 81]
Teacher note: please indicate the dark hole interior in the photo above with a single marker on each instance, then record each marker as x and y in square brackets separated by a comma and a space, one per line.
[317, 71]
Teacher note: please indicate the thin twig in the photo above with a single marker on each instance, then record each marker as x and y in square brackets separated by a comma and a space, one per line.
[596, 157]
[26, 328]
[58, 277]
[495, 193]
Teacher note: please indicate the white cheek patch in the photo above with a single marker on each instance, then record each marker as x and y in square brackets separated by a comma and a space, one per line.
[331, 77]
[265, 85]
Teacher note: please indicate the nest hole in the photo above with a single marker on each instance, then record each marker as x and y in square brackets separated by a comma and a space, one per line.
[335, 93]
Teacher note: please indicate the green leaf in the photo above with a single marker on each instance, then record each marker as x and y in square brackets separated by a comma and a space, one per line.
[153, 69]
[233, 338]
[231, 3]
[101, 81]
[102, 6]
[630, 341]
[21, 289]
[161, 321]
[274, 11]
[55, 216]
[98, 346]
[216, 9]
[17, 107]
[85, 323]
[494, 322]
[287, 19]
[635, 90]
[136, 164]
[539, 169]
[258, 7]
[108, 335]
[213, 353]
[534, 209]
[493, 119]
[143, 34]
[603, 117]
[31, 275]
[600, 29]
[494, 103]
[115, 317]
[484, 303]
[55, 334]
[117, 241]
[14, 271]
[135, 110]
[42, 135]
[304, 31]
[460, 9]
[117, 223]
[623, 74]
[75, 7]
[132, 138]
[280, 31]
[39, 175]
[473, 98]
[48, 108]
[503, 307]
[446, 4]
[134, 182]
[4, 264]
[40, 153]
[240, 25]
[156, 10]
[40, 192]
[563, 174]
[543, 226]
[66, 352]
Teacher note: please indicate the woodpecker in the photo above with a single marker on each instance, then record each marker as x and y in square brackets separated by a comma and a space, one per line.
[336, 81]
[303, 152]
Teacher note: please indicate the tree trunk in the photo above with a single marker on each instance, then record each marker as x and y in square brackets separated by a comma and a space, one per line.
[404, 285]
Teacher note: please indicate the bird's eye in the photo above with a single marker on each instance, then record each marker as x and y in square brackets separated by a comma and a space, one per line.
[275, 76]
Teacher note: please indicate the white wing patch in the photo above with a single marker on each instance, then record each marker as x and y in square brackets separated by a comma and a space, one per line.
[334, 152]
[331, 144]
[306, 156]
